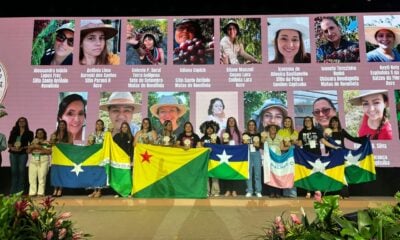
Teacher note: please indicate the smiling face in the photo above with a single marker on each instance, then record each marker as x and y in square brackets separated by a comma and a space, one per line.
[331, 31]
[288, 44]
[373, 106]
[64, 44]
[272, 115]
[385, 38]
[323, 112]
[119, 114]
[74, 115]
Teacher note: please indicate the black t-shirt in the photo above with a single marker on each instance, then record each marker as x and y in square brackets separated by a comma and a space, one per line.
[311, 140]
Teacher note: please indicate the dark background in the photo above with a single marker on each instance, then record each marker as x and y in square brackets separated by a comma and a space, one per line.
[57, 8]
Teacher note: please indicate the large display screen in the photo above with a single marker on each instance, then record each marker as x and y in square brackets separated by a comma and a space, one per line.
[199, 68]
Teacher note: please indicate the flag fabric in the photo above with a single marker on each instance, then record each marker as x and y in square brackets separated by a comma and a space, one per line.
[169, 172]
[278, 169]
[75, 166]
[228, 162]
[118, 166]
[360, 164]
[316, 172]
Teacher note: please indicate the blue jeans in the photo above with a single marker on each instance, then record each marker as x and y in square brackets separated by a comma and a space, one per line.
[290, 192]
[18, 172]
[254, 170]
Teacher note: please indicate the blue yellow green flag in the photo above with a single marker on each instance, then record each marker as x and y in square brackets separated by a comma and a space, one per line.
[77, 166]
[228, 162]
[168, 172]
[316, 172]
[360, 164]
[118, 166]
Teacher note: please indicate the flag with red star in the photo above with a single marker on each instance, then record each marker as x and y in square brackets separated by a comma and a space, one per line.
[168, 172]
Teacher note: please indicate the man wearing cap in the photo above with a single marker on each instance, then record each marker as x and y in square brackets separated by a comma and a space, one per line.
[273, 111]
[120, 107]
[386, 38]
[169, 108]
[231, 48]
[61, 54]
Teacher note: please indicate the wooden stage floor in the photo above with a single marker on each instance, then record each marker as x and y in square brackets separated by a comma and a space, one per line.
[190, 219]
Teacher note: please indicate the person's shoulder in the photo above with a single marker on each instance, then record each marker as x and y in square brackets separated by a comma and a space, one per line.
[113, 59]
[47, 57]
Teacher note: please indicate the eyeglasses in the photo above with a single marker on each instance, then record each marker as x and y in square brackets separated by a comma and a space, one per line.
[324, 111]
[60, 37]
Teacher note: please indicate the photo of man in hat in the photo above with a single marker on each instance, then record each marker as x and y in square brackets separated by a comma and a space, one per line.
[232, 46]
[382, 38]
[121, 107]
[169, 106]
[58, 50]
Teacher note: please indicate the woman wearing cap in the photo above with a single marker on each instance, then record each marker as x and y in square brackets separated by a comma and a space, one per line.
[61, 54]
[289, 42]
[93, 47]
[273, 111]
[386, 38]
[375, 122]
[232, 47]
[72, 109]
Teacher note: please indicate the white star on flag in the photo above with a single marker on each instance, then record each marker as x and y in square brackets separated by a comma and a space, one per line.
[318, 166]
[352, 160]
[77, 169]
[224, 158]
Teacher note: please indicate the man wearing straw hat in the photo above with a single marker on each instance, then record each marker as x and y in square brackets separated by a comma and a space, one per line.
[120, 107]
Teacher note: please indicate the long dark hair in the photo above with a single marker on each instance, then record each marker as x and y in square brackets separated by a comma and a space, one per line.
[15, 129]
[44, 133]
[102, 59]
[67, 101]
[235, 129]
[65, 138]
[301, 56]
[212, 102]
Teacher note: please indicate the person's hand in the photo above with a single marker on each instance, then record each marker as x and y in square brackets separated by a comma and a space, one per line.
[130, 35]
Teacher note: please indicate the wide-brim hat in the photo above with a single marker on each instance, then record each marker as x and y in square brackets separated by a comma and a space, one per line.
[290, 23]
[231, 22]
[165, 101]
[121, 98]
[88, 26]
[67, 26]
[370, 32]
[363, 93]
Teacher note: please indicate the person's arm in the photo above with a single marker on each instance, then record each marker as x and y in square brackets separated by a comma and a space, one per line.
[328, 144]
[161, 51]
[70, 138]
[351, 138]
[247, 56]
[3, 142]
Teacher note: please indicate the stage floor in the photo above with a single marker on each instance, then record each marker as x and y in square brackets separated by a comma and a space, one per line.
[172, 219]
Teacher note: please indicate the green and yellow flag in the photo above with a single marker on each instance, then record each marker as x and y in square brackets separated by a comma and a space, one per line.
[168, 172]
[118, 166]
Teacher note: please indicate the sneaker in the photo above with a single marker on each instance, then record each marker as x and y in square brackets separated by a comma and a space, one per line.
[227, 194]
[248, 194]
[216, 195]
[258, 194]
[234, 194]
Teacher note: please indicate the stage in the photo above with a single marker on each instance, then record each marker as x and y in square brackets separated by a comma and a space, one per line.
[214, 218]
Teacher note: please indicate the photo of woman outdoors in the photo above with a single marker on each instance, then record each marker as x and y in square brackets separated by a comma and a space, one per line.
[240, 41]
[146, 42]
[367, 113]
